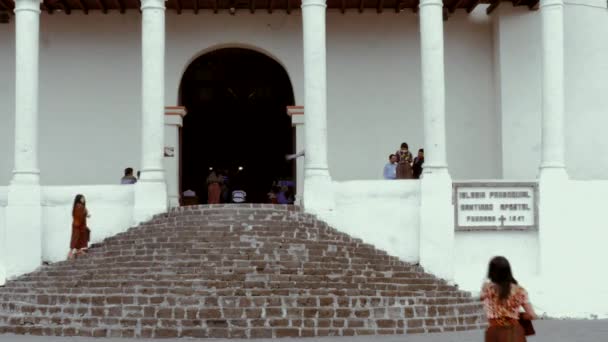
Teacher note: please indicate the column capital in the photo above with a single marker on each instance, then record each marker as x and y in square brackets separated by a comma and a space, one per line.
[551, 3]
[153, 4]
[314, 3]
[424, 3]
[27, 5]
[174, 115]
[297, 115]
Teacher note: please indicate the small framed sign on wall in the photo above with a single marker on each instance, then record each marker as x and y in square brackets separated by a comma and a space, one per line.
[495, 206]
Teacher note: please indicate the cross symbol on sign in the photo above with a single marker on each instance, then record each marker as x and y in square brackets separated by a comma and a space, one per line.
[502, 220]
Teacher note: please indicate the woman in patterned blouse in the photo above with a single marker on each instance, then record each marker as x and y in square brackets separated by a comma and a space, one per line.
[502, 298]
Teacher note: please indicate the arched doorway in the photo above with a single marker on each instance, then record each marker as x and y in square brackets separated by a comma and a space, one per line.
[236, 101]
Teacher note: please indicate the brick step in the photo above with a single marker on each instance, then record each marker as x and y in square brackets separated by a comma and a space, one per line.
[151, 297]
[276, 288]
[268, 245]
[195, 279]
[242, 241]
[200, 279]
[259, 329]
[199, 255]
[102, 314]
[180, 296]
[232, 266]
[259, 265]
[184, 276]
[185, 298]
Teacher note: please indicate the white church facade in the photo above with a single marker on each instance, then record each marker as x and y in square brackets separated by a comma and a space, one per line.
[509, 103]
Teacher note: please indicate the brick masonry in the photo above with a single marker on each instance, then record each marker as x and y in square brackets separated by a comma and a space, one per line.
[228, 271]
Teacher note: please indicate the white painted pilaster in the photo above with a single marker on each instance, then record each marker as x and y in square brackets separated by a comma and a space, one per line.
[151, 189]
[553, 135]
[22, 250]
[173, 122]
[318, 191]
[436, 211]
[297, 121]
[554, 186]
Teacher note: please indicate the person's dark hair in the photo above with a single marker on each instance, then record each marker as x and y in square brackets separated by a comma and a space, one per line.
[499, 272]
[404, 145]
[391, 156]
[421, 150]
[128, 171]
[77, 200]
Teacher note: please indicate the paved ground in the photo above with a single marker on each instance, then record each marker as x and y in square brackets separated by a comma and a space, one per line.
[547, 331]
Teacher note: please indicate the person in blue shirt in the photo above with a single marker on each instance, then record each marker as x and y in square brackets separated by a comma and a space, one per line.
[390, 169]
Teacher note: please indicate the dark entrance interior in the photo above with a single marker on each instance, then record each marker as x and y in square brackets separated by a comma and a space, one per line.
[236, 121]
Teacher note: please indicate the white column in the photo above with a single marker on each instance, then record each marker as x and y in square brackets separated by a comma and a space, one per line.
[297, 121]
[173, 122]
[318, 191]
[553, 177]
[433, 85]
[436, 210]
[553, 138]
[21, 250]
[27, 22]
[153, 89]
[151, 190]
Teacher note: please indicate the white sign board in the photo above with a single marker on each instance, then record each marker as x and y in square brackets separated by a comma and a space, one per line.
[495, 206]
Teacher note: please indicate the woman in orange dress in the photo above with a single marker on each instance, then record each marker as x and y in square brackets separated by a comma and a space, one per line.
[214, 188]
[80, 231]
[503, 297]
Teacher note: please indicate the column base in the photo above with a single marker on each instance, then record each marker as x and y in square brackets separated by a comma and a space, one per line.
[173, 201]
[26, 177]
[553, 173]
[21, 250]
[152, 175]
[318, 194]
[437, 223]
[2, 275]
[298, 200]
[150, 199]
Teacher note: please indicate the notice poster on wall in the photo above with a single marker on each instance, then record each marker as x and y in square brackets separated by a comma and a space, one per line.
[495, 206]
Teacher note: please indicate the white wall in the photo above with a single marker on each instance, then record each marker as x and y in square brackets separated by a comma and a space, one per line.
[3, 203]
[110, 206]
[573, 249]
[586, 58]
[7, 102]
[473, 251]
[517, 44]
[90, 87]
[383, 213]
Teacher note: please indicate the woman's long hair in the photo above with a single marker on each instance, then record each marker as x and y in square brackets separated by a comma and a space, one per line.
[77, 200]
[499, 272]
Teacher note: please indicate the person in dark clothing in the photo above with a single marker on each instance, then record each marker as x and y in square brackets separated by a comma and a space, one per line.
[418, 161]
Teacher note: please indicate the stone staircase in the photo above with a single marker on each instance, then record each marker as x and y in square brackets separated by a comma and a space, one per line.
[226, 271]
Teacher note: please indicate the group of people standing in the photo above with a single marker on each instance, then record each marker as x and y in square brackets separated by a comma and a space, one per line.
[402, 165]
